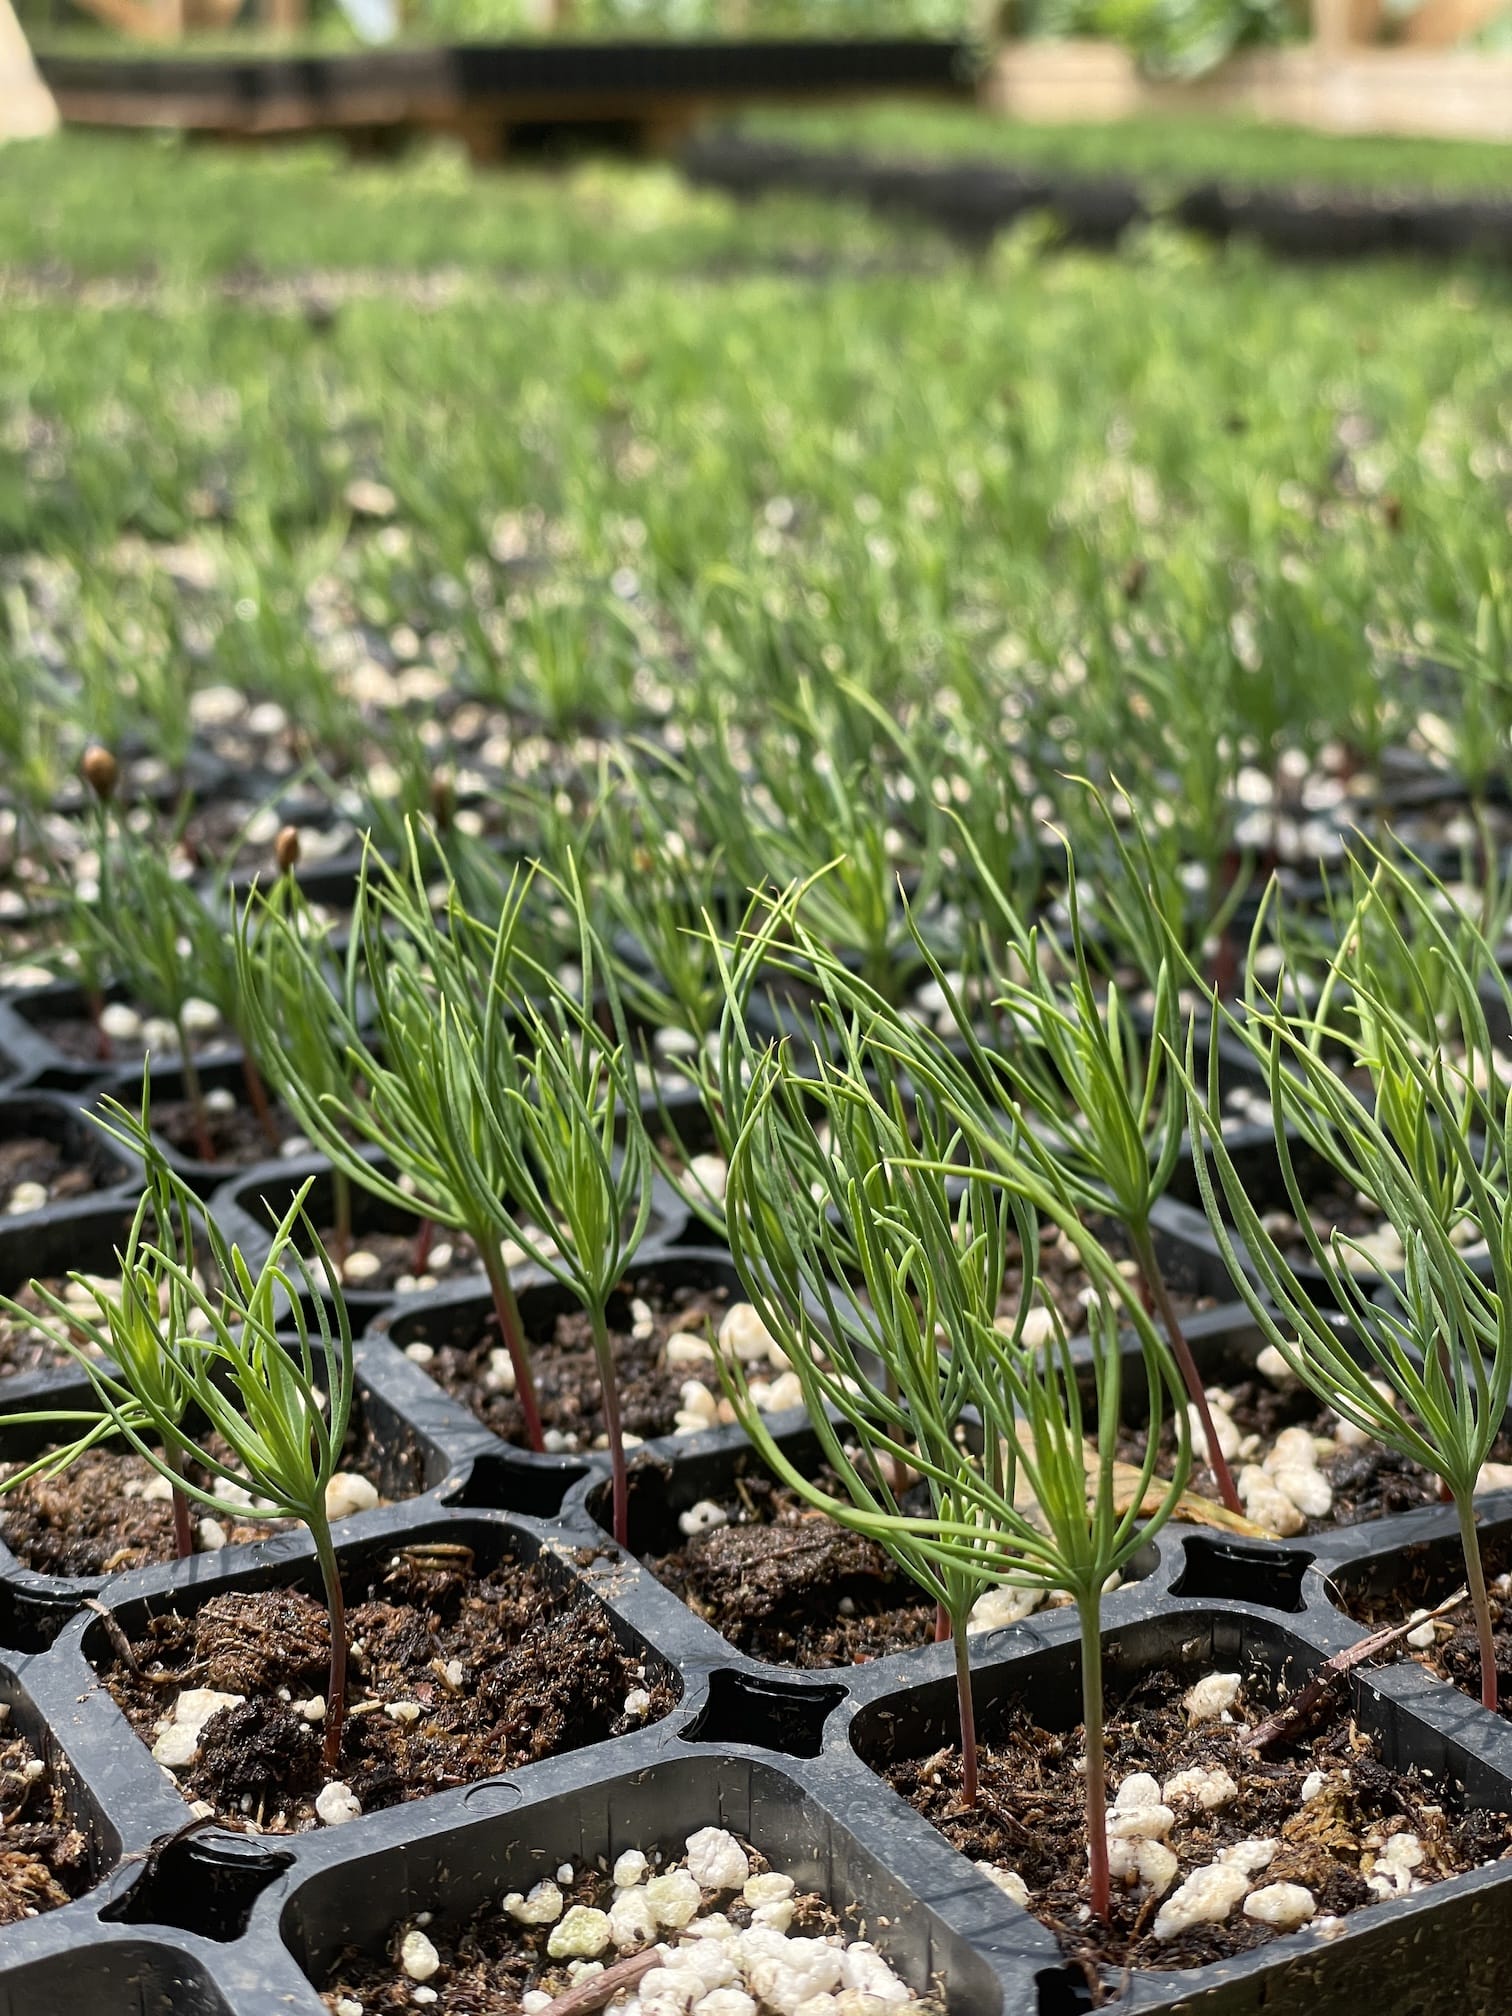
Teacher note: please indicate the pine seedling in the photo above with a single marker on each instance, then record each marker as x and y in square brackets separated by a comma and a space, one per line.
[1091, 1099]
[136, 1347]
[150, 927]
[579, 1156]
[491, 1089]
[171, 1348]
[910, 1375]
[655, 888]
[290, 982]
[1428, 1149]
[432, 1087]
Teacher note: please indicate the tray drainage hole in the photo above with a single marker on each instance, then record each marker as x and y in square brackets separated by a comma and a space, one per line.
[31, 1619]
[1063, 1991]
[508, 1484]
[744, 1709]
[1229, 1571]
[204, 1883]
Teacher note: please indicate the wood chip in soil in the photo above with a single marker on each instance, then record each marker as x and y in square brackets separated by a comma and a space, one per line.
[1420, 1580]
[44, 1857]
[784, 1583]
[541, 1673]
[1031, 1816]
[566, 1370]
[488, 1962]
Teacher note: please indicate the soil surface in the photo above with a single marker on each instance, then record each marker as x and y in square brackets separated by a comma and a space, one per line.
[783, 1582]
[1340, 1210]
[236, 1134]
[23, 1349]
[1062, 1280]
[77, 1039]
[1368, 1482]
[44, 1858]
[566, 1370]
[489, 1962]
[1031, 1816]
[1423, 1579]
[448, 1256]
[92, 1518]
[505, 1667]
[30, 1158]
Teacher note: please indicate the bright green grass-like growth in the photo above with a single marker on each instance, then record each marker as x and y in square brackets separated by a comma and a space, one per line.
[580, 1159]
[655, 878]
[162, 933]
[240, 1357]
[1096, 1108]
[907, 1375]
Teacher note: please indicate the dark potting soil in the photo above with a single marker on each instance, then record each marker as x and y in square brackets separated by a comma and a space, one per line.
[566, 1370]
[236, 1135]
[44, 1858]
[1340, 1209]
[1368, 1481]
[31, 1159]
[541, 1673]
[1061, 1280]
[783, 1582]
[451, 1257]
[1420, 1581]
[23, 1349]
[79, 1041]
[489, 1962]
[92, 1519]
[1031, 1817]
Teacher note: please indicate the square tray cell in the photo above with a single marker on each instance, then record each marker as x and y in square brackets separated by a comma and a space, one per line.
[1445, 1938]
[427, 1544]
[248, 1207]
[28, 1717]
[453, 1870]
[58, 1121]
[776, 1598]
[112, 1977]
[58, 1566]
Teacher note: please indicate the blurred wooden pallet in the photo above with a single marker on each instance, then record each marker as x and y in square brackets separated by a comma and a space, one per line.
[487, 92]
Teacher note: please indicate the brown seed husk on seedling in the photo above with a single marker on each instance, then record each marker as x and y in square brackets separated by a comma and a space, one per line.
[100, 771]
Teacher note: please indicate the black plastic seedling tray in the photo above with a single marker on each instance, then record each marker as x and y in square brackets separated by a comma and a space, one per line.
[58, 1118]
[26, 1023]
[229, 1924]
[249, 1207]
[974, 199]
